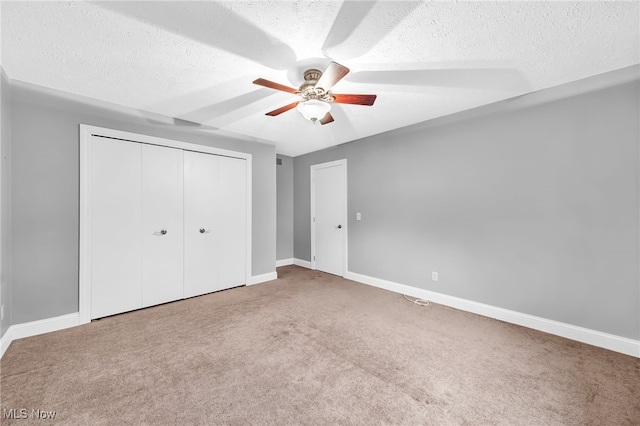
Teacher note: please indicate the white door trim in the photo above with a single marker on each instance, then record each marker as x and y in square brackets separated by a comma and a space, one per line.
[86, 132]
[345, 221]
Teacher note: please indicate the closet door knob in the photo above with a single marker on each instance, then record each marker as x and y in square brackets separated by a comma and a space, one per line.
[163, 231]
[339, 226]
[202, 230]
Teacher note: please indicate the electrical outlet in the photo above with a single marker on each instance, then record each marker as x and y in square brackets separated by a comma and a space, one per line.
[358, 216]
[434, 276]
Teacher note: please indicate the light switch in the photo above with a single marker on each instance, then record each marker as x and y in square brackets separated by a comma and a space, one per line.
[358, 216]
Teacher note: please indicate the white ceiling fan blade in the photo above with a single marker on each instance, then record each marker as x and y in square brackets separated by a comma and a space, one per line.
[489, 78]
[215, 110]
[333, 74]
[343, 120]
[361, 25]
[348, 18]
[212, 24]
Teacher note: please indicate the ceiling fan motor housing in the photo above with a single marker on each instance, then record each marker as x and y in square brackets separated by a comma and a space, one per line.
[308, 89]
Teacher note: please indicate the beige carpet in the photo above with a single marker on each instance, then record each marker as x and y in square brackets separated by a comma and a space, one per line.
[314, 349]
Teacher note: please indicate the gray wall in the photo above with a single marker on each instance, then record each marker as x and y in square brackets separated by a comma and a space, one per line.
[284, 179]
[528, 207]
[5, 203]
[45, 189]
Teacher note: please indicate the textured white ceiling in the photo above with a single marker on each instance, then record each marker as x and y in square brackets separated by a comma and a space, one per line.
[196, 60]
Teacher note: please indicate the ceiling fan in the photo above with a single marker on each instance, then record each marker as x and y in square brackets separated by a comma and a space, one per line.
[316, 98]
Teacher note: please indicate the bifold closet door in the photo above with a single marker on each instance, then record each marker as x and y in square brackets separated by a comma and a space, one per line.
[232, 217]
[215, 223]
[162, 224]
[116, 215]
[165, 224]
[201, 239]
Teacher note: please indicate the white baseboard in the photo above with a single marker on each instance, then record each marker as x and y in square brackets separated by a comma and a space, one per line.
[596, 338]
[592, 337]
[284, 262]
[303, 263]
[5, 341]
[257, 279]
[34, 328]
[20, 331]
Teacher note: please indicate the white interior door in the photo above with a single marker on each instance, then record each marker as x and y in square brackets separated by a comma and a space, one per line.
[232, 217]
[200, 223]
[329, 227]
[162, 224]
[116, 214]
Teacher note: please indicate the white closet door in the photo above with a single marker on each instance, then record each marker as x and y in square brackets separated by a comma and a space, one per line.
[200, 223]
[162, 224]
[232, 178]
[116, 214]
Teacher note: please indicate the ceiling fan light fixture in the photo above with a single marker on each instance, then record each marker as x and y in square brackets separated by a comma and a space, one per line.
[313, 109]
[314, 96]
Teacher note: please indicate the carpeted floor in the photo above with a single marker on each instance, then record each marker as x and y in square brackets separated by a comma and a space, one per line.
[314, 349]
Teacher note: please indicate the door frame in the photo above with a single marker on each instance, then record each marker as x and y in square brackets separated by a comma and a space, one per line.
[345, 234]
[86, 133]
